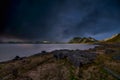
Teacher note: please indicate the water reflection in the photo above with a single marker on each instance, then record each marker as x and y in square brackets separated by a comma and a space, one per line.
[9, 51]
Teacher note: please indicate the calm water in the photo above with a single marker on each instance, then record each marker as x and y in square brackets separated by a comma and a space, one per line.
[9, 51]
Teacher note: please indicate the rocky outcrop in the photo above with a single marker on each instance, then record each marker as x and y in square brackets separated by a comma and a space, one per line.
[109, 51]
[76, 57]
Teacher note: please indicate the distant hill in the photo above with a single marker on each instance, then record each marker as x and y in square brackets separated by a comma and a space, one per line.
[83, 40]
[114, 38]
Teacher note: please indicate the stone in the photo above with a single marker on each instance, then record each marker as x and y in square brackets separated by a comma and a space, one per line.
[109, 51]
[76, 57]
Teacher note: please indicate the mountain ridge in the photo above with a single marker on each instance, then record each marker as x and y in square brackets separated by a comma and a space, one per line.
[114, 38]
[83, 40]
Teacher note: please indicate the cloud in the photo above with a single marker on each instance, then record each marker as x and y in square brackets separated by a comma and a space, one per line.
[61, 19]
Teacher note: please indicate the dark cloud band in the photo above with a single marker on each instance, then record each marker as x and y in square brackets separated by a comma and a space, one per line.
[59, 19]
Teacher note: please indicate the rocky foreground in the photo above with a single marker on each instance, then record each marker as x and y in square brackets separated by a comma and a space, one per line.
[100, 63]
[78, 58]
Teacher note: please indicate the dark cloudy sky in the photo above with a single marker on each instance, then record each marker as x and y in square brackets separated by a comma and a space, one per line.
[59, 19]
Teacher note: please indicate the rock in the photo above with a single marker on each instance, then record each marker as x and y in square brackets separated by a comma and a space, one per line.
[43, 52]
[76, 57]
[17, 58]
[116, 57]
[108, 51]
[60, 54]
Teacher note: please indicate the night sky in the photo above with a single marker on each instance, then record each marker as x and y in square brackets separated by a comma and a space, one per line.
[59, 20]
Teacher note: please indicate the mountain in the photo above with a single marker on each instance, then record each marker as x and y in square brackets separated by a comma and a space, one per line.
[83, 40]
[10, 39]
[114, 38]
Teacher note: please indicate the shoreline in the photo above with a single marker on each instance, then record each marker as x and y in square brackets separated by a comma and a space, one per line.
[36, 50]
[99, 45]
[71, 62]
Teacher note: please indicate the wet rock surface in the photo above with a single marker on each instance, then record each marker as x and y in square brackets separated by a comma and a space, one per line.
[76, 57]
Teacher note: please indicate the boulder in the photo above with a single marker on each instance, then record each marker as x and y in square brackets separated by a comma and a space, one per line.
[17, 58]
